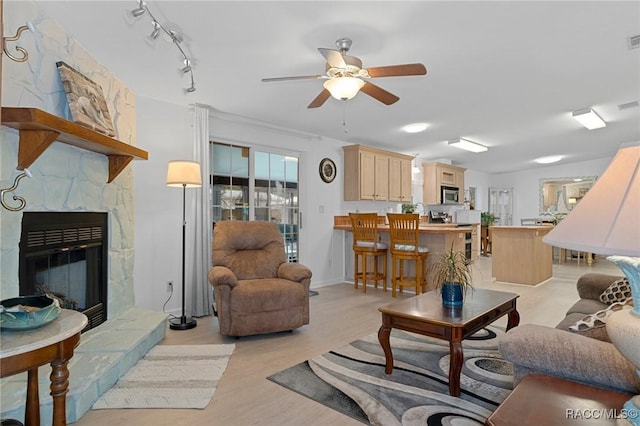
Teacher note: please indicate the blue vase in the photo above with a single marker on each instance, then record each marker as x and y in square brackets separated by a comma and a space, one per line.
[451, 294]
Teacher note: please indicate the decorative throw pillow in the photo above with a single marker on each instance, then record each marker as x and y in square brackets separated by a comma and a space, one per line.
[594, 325]
[618, 291]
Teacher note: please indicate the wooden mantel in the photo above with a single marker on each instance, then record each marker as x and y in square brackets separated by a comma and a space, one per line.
[39, 129]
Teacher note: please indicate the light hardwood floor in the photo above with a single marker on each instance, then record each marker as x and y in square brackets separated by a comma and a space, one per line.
[339, 315]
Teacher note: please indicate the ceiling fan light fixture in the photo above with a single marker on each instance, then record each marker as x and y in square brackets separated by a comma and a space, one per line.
[468, 145]
[589, 119]
[343, 88]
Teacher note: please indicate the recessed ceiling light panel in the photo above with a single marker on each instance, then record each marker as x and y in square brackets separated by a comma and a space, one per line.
[468, 145]
[589, 119]
[415, 127]
[548, 160]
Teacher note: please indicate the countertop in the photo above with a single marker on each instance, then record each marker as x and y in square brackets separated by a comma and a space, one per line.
[435, 228]
[536, 227]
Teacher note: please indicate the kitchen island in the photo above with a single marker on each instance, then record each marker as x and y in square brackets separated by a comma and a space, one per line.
[437, 237]
[519, 256]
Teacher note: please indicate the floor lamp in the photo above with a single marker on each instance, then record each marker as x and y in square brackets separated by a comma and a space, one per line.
[183, 174]
[607, 221]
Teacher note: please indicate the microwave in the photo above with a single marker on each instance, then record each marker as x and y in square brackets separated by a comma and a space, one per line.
[449, 194]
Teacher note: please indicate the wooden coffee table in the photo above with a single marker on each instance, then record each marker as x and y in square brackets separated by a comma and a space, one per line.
[425, 314]
[550, 401]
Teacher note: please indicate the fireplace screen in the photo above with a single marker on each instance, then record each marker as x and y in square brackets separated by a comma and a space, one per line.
[63, 255]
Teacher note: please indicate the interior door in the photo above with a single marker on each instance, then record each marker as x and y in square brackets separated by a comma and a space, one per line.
[501, 205]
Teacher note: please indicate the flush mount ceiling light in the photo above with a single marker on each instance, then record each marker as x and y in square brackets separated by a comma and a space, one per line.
[343, 88]
[548, 160]
[468, 145]
[173, 36]
[415, 127]
[589, 119]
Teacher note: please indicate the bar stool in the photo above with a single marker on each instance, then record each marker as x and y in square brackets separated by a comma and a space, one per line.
[366, 245]
[405, 235]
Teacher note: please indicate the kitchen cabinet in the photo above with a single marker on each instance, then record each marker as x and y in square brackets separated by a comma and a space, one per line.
[436, 175]
[376, 175]
[400, 180]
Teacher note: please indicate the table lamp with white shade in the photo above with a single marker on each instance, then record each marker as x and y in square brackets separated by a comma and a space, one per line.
[185, 174]
[607, 221]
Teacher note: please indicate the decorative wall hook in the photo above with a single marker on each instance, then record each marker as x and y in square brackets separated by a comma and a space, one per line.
[25, 54]
[13, 187]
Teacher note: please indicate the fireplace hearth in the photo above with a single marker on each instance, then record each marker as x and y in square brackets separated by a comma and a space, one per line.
[64, 255]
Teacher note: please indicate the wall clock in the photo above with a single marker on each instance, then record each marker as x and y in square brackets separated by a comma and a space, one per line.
[327, 170]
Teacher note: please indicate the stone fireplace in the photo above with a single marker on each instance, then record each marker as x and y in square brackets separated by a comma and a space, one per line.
[64, 255]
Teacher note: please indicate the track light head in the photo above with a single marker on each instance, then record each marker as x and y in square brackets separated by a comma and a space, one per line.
[187, 66]
[137, 12]
[156, 31]
[191, 89]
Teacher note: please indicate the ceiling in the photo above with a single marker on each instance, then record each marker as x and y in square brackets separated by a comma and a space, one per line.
[503, 74]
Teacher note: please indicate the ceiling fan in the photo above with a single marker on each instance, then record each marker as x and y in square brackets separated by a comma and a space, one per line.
[345, 76]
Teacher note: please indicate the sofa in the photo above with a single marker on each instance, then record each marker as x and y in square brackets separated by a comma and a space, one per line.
[256, 290]
[572, 350]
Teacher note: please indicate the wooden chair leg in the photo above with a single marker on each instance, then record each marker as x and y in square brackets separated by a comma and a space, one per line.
[424, 275]
[355, 270]
[384, 272]
[364, 273]
[393, 276]
[375, 271]
[418, 276]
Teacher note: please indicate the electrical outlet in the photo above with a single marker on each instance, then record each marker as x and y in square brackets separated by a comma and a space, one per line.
[169, 286]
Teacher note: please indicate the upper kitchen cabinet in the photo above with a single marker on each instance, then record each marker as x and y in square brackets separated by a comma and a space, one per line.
[376, 175]
[437, 175]
[400, 179]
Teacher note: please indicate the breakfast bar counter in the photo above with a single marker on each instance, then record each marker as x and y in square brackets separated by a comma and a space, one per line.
[435, 236]
[519, 256]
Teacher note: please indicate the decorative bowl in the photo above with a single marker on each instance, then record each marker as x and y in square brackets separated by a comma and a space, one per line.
[27, 312]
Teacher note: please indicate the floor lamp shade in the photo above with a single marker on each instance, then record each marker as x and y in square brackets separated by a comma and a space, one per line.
[184, 173]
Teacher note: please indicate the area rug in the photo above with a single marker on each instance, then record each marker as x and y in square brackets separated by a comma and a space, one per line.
[352, 380]
[170, 376]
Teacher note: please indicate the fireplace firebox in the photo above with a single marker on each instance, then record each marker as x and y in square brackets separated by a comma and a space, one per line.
[64, 255]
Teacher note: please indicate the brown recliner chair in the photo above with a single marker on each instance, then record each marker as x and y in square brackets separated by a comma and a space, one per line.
[256, 291]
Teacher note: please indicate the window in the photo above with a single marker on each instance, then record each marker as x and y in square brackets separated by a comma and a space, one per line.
[267, 191]
[229, 182]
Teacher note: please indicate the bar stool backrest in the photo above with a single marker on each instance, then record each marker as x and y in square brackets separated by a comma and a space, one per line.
[404, 232]
[365, 229]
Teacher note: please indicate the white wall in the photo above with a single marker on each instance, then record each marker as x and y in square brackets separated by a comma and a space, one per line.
[480, 181]
[526, 184]
[165, 131]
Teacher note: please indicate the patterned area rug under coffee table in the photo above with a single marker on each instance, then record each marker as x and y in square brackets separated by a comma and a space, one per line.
[352, 380]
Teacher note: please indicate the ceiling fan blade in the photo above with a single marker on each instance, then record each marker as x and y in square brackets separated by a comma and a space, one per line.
[300, 77]
[334, 57]
[397, 70]
[320, 99]
[379, 93]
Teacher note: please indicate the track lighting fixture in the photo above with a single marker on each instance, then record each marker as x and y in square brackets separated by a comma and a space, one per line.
[132, 15]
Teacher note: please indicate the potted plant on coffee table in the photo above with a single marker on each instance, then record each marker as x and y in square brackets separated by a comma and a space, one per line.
[452, 276]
